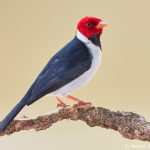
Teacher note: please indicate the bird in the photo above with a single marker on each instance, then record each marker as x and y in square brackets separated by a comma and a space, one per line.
[68, 70]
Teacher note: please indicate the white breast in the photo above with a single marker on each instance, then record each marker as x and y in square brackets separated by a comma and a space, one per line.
[86, 76]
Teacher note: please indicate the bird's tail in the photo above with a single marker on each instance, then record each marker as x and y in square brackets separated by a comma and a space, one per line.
[5, 122]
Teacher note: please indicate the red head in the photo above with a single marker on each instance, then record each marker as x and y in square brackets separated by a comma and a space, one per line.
[90, 26]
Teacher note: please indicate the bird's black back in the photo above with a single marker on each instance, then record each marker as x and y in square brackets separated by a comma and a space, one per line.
[65, 66]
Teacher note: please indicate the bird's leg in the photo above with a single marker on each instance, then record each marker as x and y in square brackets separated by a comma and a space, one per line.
[60, 103]
[78, 100]
[73, 98]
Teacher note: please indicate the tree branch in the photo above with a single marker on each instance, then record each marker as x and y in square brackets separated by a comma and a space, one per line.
[129, 124]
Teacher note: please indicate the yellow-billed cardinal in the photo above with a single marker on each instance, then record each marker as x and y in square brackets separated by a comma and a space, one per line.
[69, 69]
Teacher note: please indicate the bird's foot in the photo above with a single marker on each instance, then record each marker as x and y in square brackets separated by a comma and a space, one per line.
[61, 103]
[80, 103]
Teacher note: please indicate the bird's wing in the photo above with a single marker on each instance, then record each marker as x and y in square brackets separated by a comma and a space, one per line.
[68, 64]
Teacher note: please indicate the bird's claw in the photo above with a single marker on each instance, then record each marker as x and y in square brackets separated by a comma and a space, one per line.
[63, 105]
[82, 105]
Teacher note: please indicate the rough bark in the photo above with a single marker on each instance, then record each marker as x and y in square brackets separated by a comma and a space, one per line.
[129, 124]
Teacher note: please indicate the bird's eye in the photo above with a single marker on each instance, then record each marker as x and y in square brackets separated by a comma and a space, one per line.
[90, 24]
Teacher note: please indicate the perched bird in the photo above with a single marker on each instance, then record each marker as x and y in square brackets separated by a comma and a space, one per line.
[69, 69]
